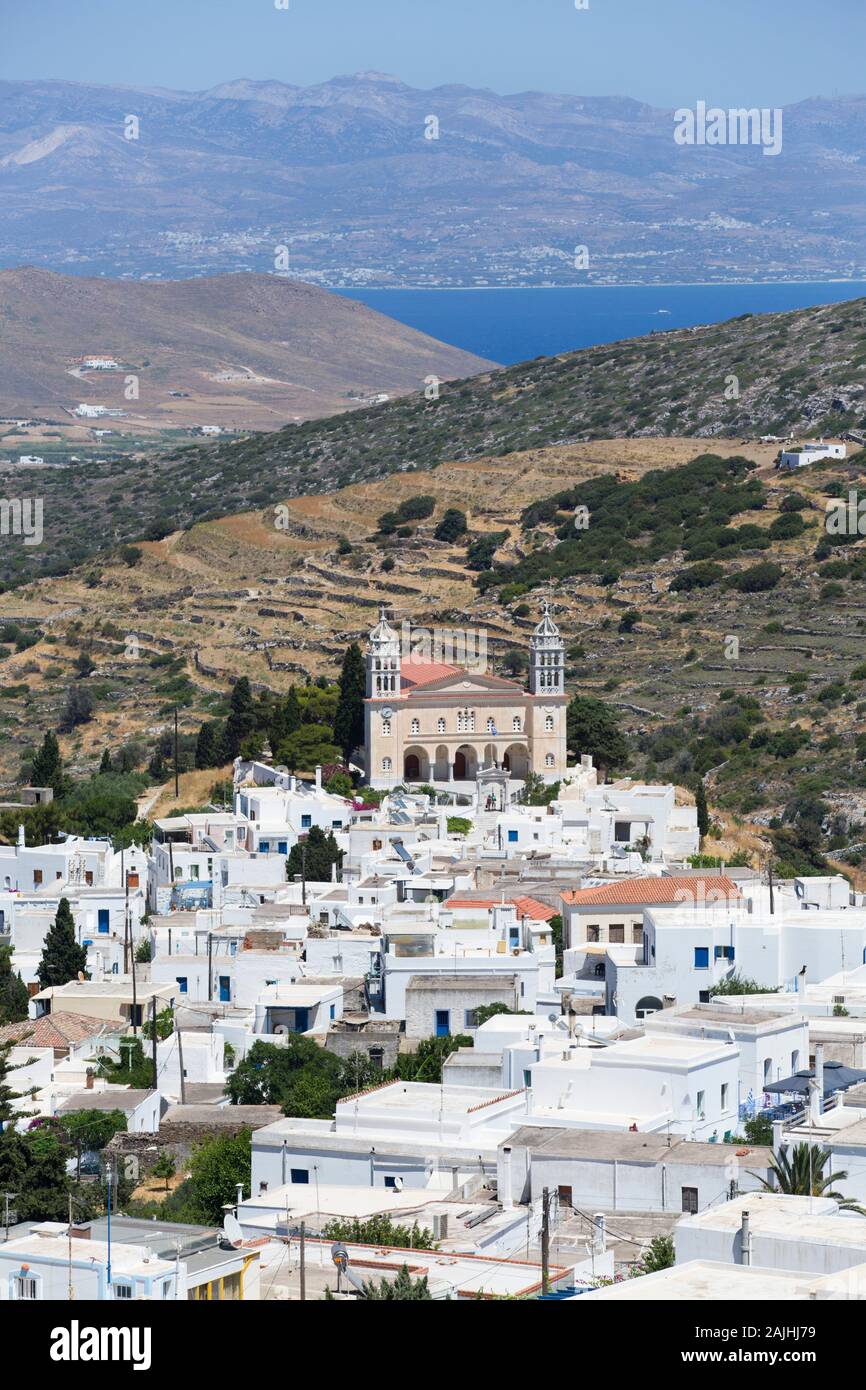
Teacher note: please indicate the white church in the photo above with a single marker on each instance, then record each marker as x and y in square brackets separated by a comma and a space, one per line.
[439, 724]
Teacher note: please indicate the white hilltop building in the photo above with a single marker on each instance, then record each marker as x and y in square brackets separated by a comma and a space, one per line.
[443, 724]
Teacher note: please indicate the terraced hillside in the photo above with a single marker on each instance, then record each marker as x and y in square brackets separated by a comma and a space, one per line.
[762, 690]
[771, 374]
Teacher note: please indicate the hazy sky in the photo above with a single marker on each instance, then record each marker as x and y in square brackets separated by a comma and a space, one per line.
[667, 52]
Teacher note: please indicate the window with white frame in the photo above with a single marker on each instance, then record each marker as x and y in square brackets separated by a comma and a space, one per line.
[25, 1287]
[548, 723]
[386, 764]
[440, 725]
[515, 724]
[549, 760]
[491, 726]
[386, 726]
[122, 1290]
[415, 726]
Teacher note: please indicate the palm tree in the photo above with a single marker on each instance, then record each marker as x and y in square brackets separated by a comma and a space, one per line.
[802, 1175]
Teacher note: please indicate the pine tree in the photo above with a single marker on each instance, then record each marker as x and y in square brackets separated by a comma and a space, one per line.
[62, 957]
[703, 812]
[105, 762]
[349, 718]
[47, 769]
[241, 722]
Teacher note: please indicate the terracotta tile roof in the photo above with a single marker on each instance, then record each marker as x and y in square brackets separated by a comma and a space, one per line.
[526, 907]
[57, 1030]
[709, 889]
[415, 673]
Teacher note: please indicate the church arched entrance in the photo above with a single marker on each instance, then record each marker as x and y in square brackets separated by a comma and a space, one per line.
[516, 760]
[465, 763]
[416, 766]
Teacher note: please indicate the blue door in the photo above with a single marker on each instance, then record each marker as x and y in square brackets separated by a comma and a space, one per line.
[283, 846]
[302, 1020]
[443, 1023]
[103, 919]
[225, 989]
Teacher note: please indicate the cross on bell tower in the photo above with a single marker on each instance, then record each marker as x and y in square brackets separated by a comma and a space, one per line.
[383, 660]
[546, 657]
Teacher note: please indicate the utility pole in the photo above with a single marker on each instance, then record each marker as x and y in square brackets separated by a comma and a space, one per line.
[545, 1240]
[153, 1040]
[210, 967]
[69, 1239]
[770, 879]
[180, 1064]
[125, 914]
[303, 874]
[303, 1270]
[176, 782]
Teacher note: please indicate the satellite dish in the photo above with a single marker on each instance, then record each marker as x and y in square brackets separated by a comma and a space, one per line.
[232, 1229]
[340, 1255]
[280, 1030]
[398, 1184]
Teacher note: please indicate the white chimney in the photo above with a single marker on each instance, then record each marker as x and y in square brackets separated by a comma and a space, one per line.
[22, 843]
[599, 1235]
[745, 1240]
[318, 777]
[505, 1198]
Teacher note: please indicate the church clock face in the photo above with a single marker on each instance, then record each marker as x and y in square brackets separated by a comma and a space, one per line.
[386, 712]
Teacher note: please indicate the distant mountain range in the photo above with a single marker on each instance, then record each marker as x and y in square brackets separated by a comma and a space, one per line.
[238, 351]
[344, 176]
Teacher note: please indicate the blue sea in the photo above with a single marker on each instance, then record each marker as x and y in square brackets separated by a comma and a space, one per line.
[516, 325]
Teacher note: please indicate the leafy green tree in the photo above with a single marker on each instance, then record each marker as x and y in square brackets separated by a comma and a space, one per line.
[217, 1168]
[379, 1230]
[62, 957]
[309, 746]
[485, 1011]
[269, 1071]
[47, 769]
[339, 784]
[92, 1129]
[165, 1168]
[33, 1166]
[759, 1130]
[402, 1289]
[740, 984]
[349, 718]
[452, 526]
[105, 762]
[594, 728]
[241, 722]
[78, 709]
[425, 1063]
[314, 855]
[659, 1255]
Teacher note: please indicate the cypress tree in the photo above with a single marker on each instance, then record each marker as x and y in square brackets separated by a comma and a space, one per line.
[13, 991]
[703, 812]
[209, 745]
[47, 769]
[349, 718]
[241, 722]
[62, 957]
